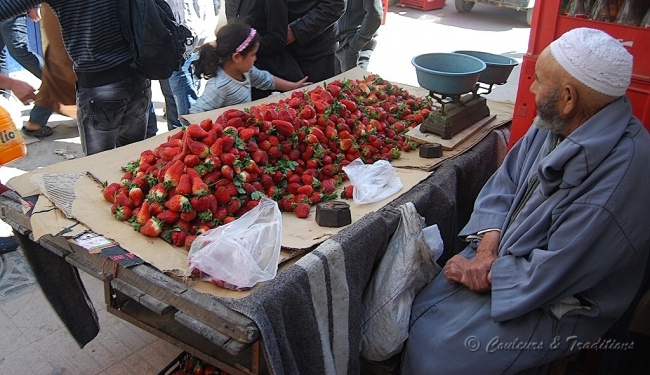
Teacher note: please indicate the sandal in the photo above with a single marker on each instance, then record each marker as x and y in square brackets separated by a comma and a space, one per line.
[42, 132]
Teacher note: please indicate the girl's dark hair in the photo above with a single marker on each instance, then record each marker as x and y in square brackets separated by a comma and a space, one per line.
[229, 37]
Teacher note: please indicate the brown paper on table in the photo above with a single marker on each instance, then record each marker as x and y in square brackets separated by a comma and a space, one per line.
[47, 219]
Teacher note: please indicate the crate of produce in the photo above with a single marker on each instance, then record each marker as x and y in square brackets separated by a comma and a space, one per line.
[423, 4]
[187, 364]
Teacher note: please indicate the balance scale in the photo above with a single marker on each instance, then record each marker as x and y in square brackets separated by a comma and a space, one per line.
[456, 81]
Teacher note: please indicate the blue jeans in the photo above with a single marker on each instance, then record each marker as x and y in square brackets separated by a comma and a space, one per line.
[185, 87]
[170, 104]
[113, 115]
[13, 34]
[40, 115]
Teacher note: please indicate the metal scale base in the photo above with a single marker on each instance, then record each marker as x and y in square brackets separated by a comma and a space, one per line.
[453, 118]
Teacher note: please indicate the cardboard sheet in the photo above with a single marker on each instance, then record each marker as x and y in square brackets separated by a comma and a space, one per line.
[417, 135]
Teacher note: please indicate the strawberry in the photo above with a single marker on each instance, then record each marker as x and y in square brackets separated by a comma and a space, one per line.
[327, 186]
[283, 127]
[122, 213]
[184, 186]
[147, 157]
[152, 227]
[348, 192]
[246, 134]
[302, 210]
[228, 158]
[287, 204]
[178, 203]
[196, 131]
[188, 241]
[198, 148]
[136, 195]
[155, 208]
[168, 153]
[188, 215]
[227, 172]
[220, 213]
[216, 148]
[349, 104]
[201, 203]
[110, 191]
[168, 217]
[191, 161]
[173, 174]
[233, 206]
[143, 214]
[157, 193]
[305, 189]
[122, 199]
[345, 144]
[175, 236]
[199, 188]
[228, 142]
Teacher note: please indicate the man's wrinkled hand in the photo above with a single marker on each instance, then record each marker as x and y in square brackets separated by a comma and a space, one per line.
[477, 272]
[455, 268]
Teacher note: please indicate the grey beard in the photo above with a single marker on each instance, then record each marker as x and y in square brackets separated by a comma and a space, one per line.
[547, 117]
[555, 124]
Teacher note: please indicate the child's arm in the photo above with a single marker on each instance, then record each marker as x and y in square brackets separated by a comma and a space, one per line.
[284, 85]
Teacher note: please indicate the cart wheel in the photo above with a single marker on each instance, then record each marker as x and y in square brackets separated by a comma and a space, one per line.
[464, 6]
[529, 16]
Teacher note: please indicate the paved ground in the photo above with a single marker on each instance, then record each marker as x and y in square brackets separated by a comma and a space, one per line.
[33, 340]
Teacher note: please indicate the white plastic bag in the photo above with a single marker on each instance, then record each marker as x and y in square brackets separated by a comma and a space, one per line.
[372, 182]
[244, 252]
[407, 266]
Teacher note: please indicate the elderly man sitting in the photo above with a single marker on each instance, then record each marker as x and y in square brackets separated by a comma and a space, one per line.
[560, 231]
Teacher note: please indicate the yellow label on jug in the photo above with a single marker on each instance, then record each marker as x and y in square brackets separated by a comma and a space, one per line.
[12, 144]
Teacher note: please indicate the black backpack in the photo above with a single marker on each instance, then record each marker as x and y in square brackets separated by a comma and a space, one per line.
[156, 38]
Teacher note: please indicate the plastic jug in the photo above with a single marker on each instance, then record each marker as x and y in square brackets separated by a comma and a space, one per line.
[12, 144]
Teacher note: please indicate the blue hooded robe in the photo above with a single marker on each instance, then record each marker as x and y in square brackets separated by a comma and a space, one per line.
[569, 264]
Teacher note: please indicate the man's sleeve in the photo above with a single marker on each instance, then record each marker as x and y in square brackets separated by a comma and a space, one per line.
[317, 20]
[586, 247]
[371, 21]
[496, 198]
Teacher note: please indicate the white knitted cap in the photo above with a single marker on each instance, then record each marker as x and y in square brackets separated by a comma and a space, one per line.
[594, 58]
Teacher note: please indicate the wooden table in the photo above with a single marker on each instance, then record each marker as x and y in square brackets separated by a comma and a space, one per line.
[210, 327]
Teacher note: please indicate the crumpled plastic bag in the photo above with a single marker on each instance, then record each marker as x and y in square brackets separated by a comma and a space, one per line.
[242, 253]
[407, 266]
[372, 182]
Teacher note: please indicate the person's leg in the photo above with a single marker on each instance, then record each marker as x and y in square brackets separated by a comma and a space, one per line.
[365, 53]
[134, 123]
[113, 115]
[4, 68]
[170, 104]
[15, 34]
[36, 126]
[152, 122]
[185, 88]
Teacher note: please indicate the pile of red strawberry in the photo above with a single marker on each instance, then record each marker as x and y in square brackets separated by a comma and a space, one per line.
[293, 151]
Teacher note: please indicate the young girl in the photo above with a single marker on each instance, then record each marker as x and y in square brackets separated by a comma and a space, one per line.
[227, 64]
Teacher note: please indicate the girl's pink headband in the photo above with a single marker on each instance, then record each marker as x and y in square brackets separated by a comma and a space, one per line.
[247, 41]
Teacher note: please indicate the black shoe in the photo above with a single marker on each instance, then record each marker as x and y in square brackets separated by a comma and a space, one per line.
[8, 244]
